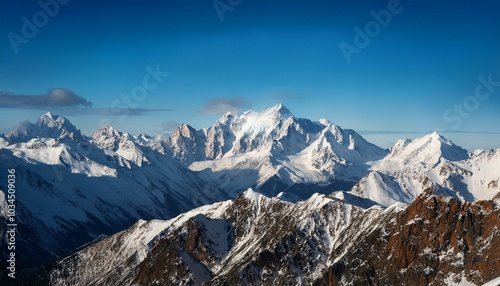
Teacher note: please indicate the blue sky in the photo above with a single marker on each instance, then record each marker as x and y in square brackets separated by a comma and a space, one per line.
[418, 73]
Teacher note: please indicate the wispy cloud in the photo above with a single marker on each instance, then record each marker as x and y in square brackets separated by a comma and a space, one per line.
[288, 95]
[168, 126]
[55, 97]
[75, 111]
[221, 105]
[65, 102]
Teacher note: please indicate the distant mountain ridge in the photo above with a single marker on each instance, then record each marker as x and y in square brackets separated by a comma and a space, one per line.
[75, 188]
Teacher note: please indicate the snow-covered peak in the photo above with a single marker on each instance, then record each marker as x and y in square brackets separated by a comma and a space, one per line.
[428, 149]
[108, 132]
[252, 195]
[122, 144]
[232, 135]
[350, 141]
[50, 120]
[336, 131]
[227, 118]
[184, 130]
[253, 130]
[438, 138]
[277, 111]
[267, 118]
[324, 121]
[47, 114]
[252, 121]
[47, 126]
[425, 162]
[107, 138]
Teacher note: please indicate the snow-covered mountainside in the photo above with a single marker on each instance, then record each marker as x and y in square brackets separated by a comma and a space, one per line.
[256, 240]
[48, 126]
[273, 151]
[71, 188]
[431, 160]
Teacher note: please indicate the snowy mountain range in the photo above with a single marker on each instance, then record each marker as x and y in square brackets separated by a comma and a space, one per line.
[72, 189]
[258, 199]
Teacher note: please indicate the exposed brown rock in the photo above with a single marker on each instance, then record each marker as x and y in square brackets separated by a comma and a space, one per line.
[433, 238]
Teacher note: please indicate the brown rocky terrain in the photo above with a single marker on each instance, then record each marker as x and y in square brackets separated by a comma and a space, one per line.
[435, 241]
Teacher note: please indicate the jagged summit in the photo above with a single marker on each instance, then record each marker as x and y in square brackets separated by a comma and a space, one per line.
[47, 126]
[50, 120]
[435, 136]
[227, 118]
[47, 114]
[324, 121]
[254, 123]
[107, 131]
[252, 195]
[185, 129]
[429, 148]
[281, 109]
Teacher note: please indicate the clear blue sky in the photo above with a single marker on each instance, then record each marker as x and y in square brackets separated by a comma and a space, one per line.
[405, 81]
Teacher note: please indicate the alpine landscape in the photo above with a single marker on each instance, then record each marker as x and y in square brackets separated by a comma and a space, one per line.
[261, 198]
[249, 143]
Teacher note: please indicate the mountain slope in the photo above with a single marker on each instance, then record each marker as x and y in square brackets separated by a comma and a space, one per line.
[275, 151]
[436, 241]
[73, 189]
[255, 240]
[432, 160]
[211, 241]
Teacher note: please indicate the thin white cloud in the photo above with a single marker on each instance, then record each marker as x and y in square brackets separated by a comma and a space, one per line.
[169, 126]
[221, 105]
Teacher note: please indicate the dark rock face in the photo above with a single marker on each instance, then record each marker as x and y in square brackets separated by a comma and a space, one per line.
[187, 255]
[435, 241]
